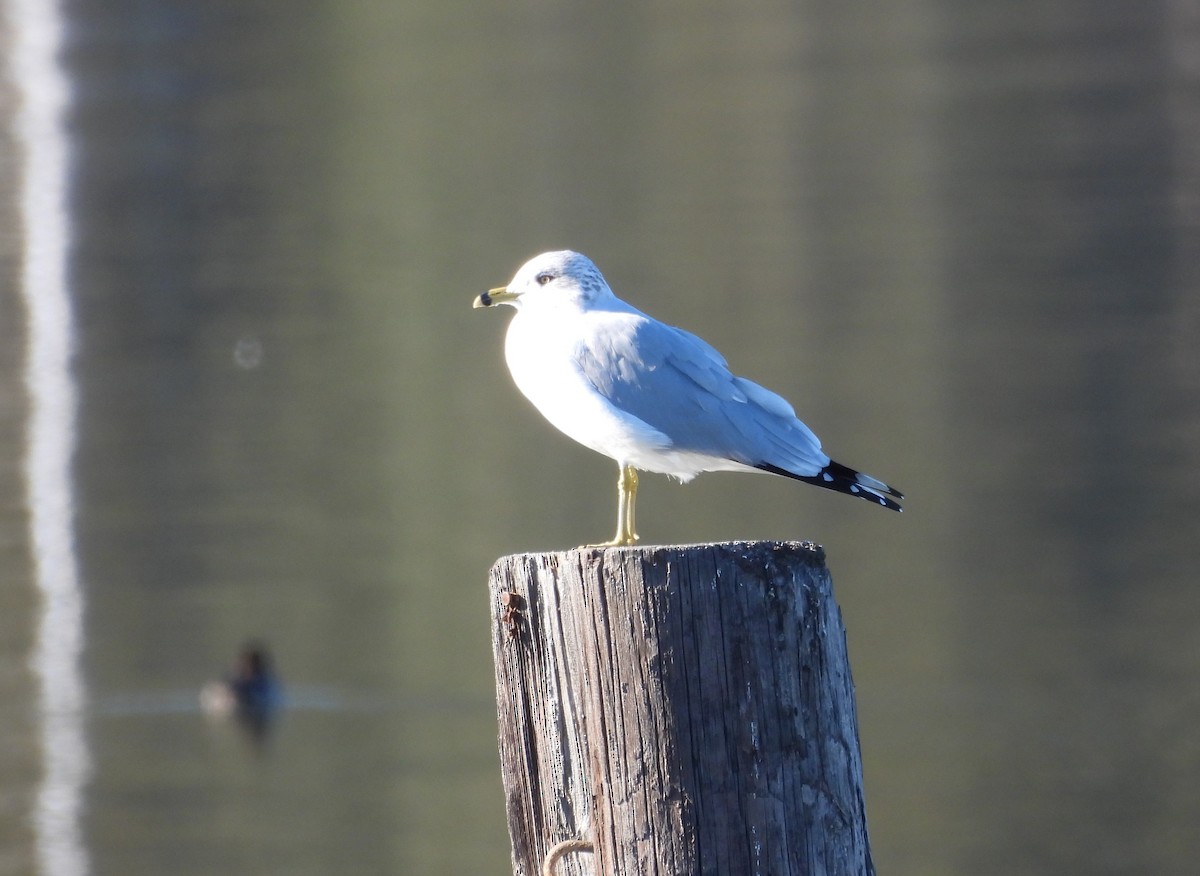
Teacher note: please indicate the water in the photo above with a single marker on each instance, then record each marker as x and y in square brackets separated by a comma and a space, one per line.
[962, 240]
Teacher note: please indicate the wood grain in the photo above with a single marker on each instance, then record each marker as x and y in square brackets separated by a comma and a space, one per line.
[687, 709]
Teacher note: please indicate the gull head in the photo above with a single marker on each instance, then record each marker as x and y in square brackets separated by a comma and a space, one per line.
[552, 279]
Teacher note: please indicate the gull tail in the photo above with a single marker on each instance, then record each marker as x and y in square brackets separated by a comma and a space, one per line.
[844, 479]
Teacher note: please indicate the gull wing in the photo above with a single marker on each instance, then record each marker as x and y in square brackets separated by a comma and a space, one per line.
[681, 386]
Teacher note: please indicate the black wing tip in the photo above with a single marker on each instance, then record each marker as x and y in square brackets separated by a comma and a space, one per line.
[843, 479]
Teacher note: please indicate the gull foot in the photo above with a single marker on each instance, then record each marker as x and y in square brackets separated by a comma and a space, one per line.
[629, 541]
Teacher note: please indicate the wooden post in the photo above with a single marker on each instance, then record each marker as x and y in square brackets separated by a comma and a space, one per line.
[686, 710]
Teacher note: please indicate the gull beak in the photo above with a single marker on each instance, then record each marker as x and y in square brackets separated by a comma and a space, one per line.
[499, 295]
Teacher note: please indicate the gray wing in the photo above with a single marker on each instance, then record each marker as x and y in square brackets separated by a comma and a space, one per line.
[681, 386]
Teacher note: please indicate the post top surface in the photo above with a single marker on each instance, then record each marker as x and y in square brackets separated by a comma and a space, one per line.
[743, 549]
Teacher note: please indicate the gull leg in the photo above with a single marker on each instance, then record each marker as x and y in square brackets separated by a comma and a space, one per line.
[630, 478]
[627, 484]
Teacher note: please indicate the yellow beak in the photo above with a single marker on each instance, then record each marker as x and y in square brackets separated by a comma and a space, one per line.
[498, 295]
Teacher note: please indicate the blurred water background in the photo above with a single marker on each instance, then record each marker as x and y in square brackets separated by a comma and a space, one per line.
[962, 238]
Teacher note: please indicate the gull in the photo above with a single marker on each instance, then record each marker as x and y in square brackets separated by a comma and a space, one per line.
[650, 396]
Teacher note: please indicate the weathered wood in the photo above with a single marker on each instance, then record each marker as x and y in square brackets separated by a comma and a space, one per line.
[689, 710]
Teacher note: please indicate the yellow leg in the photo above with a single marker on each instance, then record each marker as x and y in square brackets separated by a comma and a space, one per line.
[630, 477]
[627, 484]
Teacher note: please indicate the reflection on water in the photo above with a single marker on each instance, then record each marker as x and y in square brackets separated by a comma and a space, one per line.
[42, 149]
[961, 239]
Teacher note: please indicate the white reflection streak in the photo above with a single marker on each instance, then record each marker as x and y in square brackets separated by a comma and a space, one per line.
[42, 89]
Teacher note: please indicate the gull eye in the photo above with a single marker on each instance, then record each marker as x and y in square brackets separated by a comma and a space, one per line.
[543, 279]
